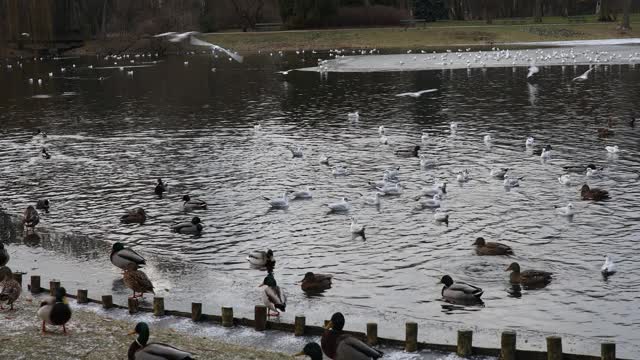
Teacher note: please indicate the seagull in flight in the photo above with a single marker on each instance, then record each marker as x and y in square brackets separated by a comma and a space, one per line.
[584, 76]
[532, 71]
[417, 93]
[285, 73]
[179, 37]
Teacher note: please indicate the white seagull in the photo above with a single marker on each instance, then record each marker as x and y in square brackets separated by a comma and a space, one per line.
[566, 210]
[565, 180]
[353, 116]
[612, 149]
[381, 130]
[279, 202]
[384, 140]
[303, 194]
[375, 200]
[440, 216]
[529, 142]
[425, 137]
[511, 182]
[417, 93]
[178, 37]
[609, 267]
[341, 206]
[463, 176]
[584, 76]
[532, 71]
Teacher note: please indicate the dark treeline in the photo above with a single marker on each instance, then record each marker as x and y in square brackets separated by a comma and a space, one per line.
[46, 20]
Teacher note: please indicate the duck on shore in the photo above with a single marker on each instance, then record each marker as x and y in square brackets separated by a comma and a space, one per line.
[10, 289]
[273, 296]
[123, 257]
[30, 218]
[141, 348]
[55, 311]
[340, 346]
[137, 281]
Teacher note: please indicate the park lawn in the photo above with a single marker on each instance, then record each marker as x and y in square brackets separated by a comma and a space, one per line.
[433, 35]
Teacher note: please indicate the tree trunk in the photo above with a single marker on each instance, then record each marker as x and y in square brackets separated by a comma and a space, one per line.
[537, 11]
[486, 11]
[604, 14]
[104, 19]
[626, 24]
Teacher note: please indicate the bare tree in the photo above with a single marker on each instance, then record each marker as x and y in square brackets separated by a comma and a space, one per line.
[605, 11]
[537, 11]
[249, 12]
[626, 9]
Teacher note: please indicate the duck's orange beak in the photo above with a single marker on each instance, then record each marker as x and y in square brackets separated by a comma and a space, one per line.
[509, 268]
[301, 353]
[329, 325]
[132, 332]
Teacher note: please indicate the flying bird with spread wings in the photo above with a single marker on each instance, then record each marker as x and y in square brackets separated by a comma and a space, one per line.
[193, 40]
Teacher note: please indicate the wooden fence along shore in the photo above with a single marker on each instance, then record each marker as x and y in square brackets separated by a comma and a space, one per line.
[464, 347]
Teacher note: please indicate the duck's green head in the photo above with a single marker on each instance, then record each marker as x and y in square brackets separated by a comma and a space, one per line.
[142, 329]
[5, 273]
[117, 247]
[479, 241]
[195, 220]
[337, 322]
[446, 280]
[186, 198]
[312, 350]
[269, 253]
[270, 281]
[60, 294]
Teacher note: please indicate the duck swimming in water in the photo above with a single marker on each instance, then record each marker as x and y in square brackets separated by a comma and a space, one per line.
[460, 292]
[160, 188]
[45, 154]
[134, 216]
[316, 282]
[193, 204]
[142, 349]
[194, 227]
[491, 248]
[262, 259]
[43, 204]
[588, 193]
[528, 278]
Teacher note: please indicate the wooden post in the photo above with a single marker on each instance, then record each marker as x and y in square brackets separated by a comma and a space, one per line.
[107, 301]
[261, 317]
[508, 345]
[300, 324]
[465, 343]
[227, 316]
[372, 334]
[35, 284]
[554, 348]
[132, 304]
[158, 306]
[17, 277]
[83, 296]
[411, 338]
[608, 351]
[53, 285]
[196, 311]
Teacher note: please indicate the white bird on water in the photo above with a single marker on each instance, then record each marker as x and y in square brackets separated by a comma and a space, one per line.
[487, 139]
[453, 126]
[417, 93]
[353, 116]
[279, 202]
[341, 206]
[584, 76]
[511, 182]
[374, 200]
[440, 216]
[532, 71]
[609, 267]
[178, 37]
[340, 171]
[425, 137]
[612, 149]
[565, 179]
[391, 189]
[324, 160]
[296, 151]
[303, 194]
[499, 173]
[381, 130]
[384, 140]
[463, 176]
[568, 210]
[357, 229]
[545, 154]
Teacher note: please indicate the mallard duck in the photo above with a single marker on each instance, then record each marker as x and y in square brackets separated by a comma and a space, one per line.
[140, 349]
[194, 227]
[460, 292]
[273, 296]
[45, 154]
[122, 257]
[593, 194]
[43, 204]
[605, 132]
[10, 289]
[529, 278]
[31, 217]
[411, 151]
[137, 281]
[193, 204]
[491, 248]
[262, 259]
[316, 282]
[161, 187]
[339, 346]
[55, 311]
[4, 255]
[134, 216]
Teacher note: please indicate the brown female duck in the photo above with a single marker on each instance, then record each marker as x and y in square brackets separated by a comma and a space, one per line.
[529, 278]
[491, 248]
[588, 193]
[137, 281]
[316, 282]
[134, 216]
[10, 289]
[30, 218]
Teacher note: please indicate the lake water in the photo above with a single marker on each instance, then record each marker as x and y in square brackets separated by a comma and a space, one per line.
[111, 139]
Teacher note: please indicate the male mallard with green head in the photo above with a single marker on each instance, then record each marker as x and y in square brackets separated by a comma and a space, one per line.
[137, 281]
[193, 204]
[491, 248]
[122, 257]
[273, 296]
[10, 289]
[340, 346]
[55, 311]
[193, 228]
[530, 278]
[311, 350]
[141, 349]
[134, 216]
[460, 292]
[316, 282]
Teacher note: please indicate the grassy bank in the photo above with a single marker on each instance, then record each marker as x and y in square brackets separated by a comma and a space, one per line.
[94, 337]
[442, 34]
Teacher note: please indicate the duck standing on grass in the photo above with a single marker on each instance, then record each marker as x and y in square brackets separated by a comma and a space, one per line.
[340, 346]
[193, 204]
[4, 255]
[137, 281]
[273, 296]
[123, 257]
[10, 289]
[55, 311]
[141, 349]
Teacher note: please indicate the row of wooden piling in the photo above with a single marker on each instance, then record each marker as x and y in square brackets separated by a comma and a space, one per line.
[464, 347]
